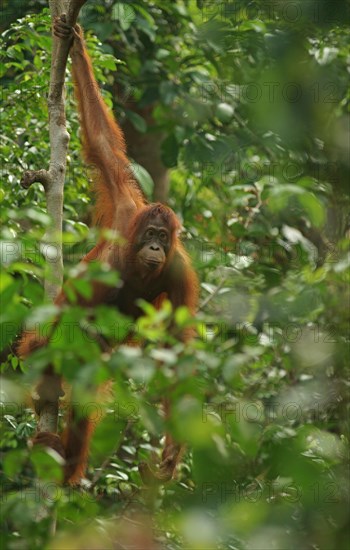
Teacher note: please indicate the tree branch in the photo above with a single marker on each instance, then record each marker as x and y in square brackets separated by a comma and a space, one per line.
[33, 176]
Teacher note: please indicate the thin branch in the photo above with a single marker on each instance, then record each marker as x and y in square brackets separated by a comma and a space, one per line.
[255, 137]
[213, 294]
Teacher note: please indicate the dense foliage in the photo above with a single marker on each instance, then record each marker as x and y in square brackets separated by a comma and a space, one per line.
[251, 102]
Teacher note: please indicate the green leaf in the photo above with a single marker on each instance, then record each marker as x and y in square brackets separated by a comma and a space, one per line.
[224, 112]
[42, 314]
[182, 316]
[124, 14]
[160, 54]
[279, 195]
[109, 63]
[138, 122]
[147, 307]
[144, 178]
[13, 462]
[168, 91]
[313, 207]
[48, 464]
[253, 25]
[84, 288]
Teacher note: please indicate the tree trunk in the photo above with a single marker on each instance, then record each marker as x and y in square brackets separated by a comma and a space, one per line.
[53, 178]
[145, 149]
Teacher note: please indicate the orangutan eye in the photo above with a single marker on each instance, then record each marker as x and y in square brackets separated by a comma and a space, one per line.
[163, 236]
[149, 234]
